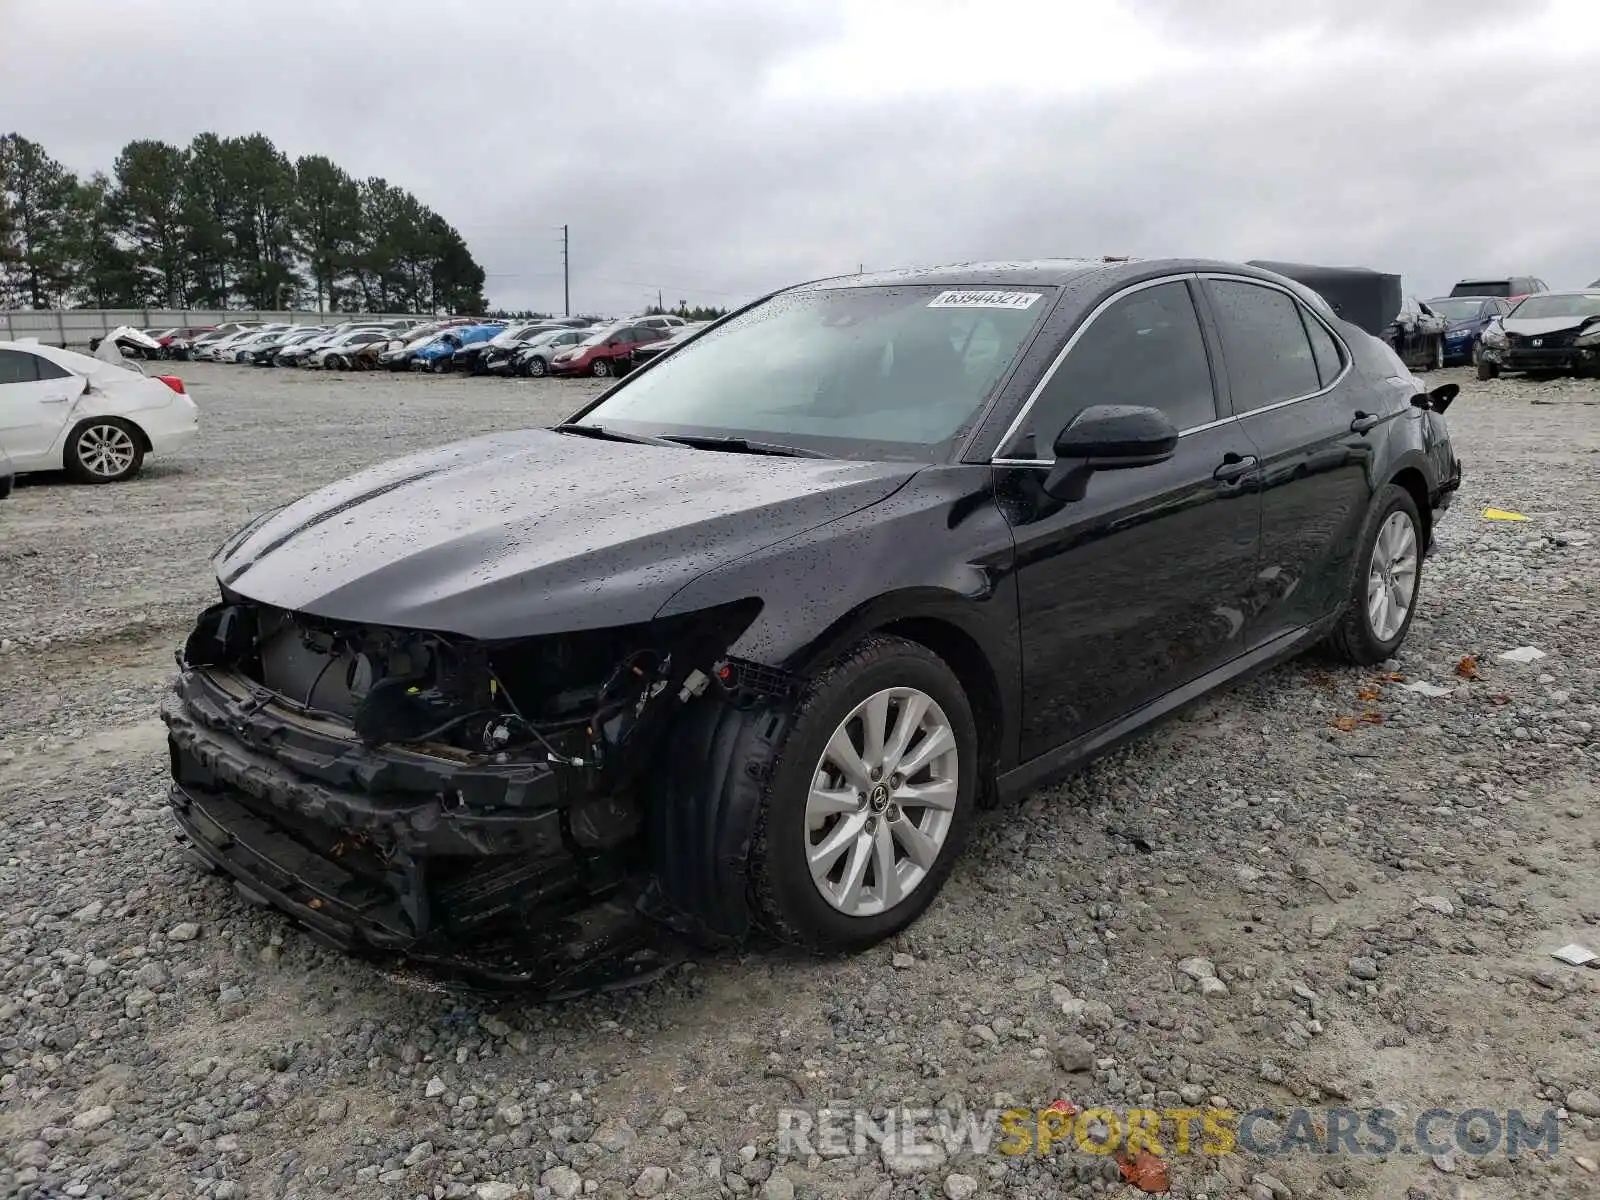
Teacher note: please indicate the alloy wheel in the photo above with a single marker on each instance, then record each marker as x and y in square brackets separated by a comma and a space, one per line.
[106, 450]
[1392, 576]
[536, 367]
[882, 801]
[601, 368]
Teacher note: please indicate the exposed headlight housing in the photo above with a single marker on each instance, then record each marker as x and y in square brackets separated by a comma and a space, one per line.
[1494, 336]
[1590, 336]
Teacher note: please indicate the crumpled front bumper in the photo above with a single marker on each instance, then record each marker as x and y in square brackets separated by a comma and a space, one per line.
[467, 866]
[1542, 358]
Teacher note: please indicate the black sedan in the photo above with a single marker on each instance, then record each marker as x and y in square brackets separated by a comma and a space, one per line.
[1550, 331]
[745, 642]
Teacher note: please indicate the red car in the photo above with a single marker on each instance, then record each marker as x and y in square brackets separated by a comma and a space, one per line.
[607, 351]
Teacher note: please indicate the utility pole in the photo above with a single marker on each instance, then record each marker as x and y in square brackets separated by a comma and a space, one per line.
[659, 304]
[566, 278]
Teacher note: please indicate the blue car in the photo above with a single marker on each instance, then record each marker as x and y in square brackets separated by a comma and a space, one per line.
[1468, 317]
[435, 356]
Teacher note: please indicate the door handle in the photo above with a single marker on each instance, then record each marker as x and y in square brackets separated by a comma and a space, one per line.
[55, 399]
[1364, 422]
[1235, 467]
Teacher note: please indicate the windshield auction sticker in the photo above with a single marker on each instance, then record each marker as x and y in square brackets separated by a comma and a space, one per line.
[983, 300]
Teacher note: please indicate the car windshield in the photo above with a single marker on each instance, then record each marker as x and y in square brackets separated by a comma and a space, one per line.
[1457, 310]
[1483, 287]
[1583, 304]
[860, 372]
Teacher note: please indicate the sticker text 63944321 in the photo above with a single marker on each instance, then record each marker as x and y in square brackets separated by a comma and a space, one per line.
[983, 299]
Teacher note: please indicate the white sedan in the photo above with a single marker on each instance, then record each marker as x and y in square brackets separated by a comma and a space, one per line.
[96, 420]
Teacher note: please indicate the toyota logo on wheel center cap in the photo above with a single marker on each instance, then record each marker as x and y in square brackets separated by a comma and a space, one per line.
[879, 798]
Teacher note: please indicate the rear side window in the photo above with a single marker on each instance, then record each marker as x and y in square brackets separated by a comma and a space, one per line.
[18, 366]
[1270, 357]
[1324, 349]
[1145, 349]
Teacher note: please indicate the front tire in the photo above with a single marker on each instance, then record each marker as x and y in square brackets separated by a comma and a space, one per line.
[1385, 581]
[1487, 370]
[104, 450]
[600, 369]
[869, 800]
[537, 368]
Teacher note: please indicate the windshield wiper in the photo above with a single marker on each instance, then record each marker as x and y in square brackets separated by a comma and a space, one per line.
[743, 446]
[606, 433]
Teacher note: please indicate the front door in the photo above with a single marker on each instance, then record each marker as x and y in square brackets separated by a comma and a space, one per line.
[1142, 585]
[35, 400]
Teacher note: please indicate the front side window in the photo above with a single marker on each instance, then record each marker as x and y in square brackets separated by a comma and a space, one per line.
[1145, 349]
[1269, 355]
[894, 372]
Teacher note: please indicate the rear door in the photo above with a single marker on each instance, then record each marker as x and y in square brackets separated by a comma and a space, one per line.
[1296, 396]
[36, 397]
[1139, 587]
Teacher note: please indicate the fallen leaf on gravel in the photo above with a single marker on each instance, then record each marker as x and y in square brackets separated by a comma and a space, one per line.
[1064, 1106]
[1467, 668]
[1499, 699]
[1368, 694]
[1145, 1171]
[1500, 514]
[1349, 723]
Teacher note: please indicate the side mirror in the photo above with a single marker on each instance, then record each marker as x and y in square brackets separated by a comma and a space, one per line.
[1108, 437]
[1437, 400]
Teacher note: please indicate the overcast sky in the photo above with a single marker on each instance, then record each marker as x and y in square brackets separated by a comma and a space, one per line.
[718, 148]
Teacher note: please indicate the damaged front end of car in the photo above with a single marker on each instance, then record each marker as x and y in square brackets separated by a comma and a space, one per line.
[475, 805]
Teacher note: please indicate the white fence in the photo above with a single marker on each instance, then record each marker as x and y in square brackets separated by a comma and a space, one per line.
[67, 327]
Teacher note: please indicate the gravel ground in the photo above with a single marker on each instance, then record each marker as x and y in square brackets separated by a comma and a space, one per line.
[1316, 888]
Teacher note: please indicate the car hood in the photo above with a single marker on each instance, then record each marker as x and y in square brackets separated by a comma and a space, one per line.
[1535, 326]
[529, 532]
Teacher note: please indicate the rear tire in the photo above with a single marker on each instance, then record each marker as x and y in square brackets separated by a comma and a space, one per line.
[878, 892]
[1387, 565]
[1487, 370]
[104, 450]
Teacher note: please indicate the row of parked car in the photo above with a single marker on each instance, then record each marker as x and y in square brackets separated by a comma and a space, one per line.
[554, 346]
[1512, 323]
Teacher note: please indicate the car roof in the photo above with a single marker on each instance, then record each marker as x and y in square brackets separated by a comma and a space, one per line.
[1591, 293]
[1042, 272]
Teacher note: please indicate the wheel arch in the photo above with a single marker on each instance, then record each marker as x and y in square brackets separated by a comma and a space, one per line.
[139, 435]
[703, 805]
[943, 623]
[1410, 477]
